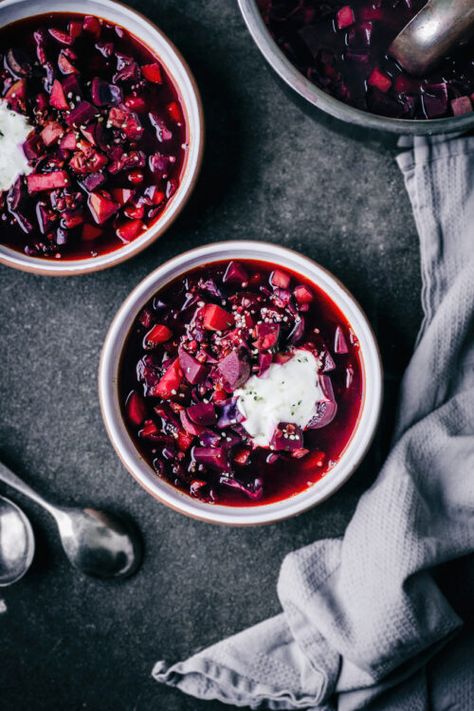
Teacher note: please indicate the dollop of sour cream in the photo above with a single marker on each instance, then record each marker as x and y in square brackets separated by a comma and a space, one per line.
[286, 392]
[14, 130]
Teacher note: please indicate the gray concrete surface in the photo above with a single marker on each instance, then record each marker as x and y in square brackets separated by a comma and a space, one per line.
[270, 173]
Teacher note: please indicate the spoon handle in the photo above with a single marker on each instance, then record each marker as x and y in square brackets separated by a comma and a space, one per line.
[8, 477]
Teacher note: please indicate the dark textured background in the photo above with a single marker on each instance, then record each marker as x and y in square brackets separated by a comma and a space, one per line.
[271, 173]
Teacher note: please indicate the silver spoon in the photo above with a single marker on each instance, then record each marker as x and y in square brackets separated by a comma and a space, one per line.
[95, 542]
[430, 35]
[17, 543]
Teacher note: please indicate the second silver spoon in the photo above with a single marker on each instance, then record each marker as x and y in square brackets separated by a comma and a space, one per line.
[95, 542]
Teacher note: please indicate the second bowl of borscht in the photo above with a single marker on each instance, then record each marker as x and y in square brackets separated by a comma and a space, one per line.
[335, 55]
[240, 383]
[101, 134]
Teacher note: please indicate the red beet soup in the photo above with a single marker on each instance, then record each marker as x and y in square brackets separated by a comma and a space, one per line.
[342, 48]
[241, 383]
[108, 138]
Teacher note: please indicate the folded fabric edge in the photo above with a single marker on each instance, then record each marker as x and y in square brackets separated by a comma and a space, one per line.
[204, 679]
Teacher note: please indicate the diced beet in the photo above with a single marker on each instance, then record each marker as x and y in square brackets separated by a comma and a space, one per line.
[280, 279]
[75, 29]
[51, 133]
[235, 370]
[174, 111]
[193, 370]
[202, 413]
[72, 218]
[434, 100]
[136, 408]
[60, 36]
[242, 456]
[287, 437]
[72, 86]
[185, 440]
[461, 105]
[82, 114]
[156, 336]
[340, 343]
[345, 17]
[122, 195]
[105, 94]
[303, 294]
[159, 164]
[379, 80]
[152, 73]
[102, 207]
[91, 232]
[34, 147]
[92, 25]
[128, 231]
[57, 98]
[136, 103]
[235, 274]
[214, 457]
[87, 160]
[215, 318]
[170, 381]
[327, 361]
[93, 181]
[267, 336]
[127, 121]
[37, 182]
[189, 426]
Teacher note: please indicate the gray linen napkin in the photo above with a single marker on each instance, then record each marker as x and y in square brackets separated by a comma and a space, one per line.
[363, 614]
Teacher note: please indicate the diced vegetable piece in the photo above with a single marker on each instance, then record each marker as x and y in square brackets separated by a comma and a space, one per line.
[345, 17]
[152, 73]
[461, 105]
[156, 336]
[102, 207]
[303, 294]
[267, 336]
[135, 408]
[193, 370]
[170, 381]
[340, 343]
[235, 370]
[37, 182]
[280, 279]
[379, 80]
[128, 231]
[57, 98]
[215, 318]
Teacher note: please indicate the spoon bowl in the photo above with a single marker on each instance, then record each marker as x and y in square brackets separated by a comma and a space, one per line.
[97, 543]
[17, 543]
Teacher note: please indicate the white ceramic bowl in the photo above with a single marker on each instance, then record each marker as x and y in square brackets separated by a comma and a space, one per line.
[142, 471]
[185, 85]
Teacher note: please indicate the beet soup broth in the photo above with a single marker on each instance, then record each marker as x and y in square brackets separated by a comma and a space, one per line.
[241, 383]
[107, 142]
[342, 48]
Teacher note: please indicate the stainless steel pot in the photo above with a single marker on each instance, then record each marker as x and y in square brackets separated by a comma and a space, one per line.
[327, 103]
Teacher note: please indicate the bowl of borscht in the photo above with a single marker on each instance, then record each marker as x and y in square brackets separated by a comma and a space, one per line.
[240, 383]
[101, 134]
[335, 55]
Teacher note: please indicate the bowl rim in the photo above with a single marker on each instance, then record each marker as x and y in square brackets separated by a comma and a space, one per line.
[137, 466]
[188, 91]
[319, 98]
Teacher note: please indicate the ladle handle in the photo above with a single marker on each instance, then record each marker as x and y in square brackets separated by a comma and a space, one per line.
[432, 33]
[8, 477]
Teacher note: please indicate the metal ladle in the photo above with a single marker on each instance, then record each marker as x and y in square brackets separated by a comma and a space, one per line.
[432, 33]
[95, 542]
